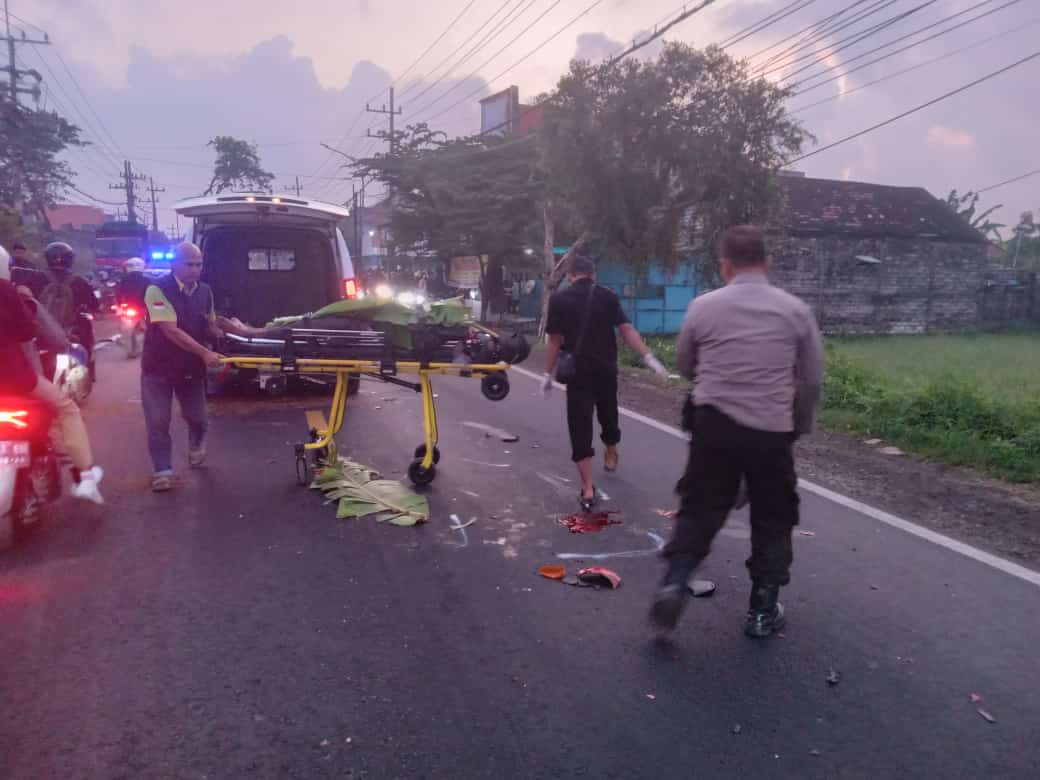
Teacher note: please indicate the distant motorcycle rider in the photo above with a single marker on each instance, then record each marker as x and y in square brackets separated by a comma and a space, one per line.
[131, 288]
[69, 297]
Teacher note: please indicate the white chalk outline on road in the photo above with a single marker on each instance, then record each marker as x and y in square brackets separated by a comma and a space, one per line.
[983, 557]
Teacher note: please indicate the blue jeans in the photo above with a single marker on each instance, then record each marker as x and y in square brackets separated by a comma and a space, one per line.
[157, 394]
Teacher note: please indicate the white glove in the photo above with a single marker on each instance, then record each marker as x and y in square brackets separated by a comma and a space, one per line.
[546, 386]
[655, 365]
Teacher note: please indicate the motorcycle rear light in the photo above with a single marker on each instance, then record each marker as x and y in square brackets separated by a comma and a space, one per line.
[350, 288]
[17, 418]
[130, 312]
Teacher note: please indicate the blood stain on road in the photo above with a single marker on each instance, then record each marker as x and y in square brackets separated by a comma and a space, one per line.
[593, 522]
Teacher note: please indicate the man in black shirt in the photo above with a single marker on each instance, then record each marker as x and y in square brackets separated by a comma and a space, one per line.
[582, 322]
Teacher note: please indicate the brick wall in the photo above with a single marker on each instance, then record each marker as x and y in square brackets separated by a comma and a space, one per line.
[918, 285]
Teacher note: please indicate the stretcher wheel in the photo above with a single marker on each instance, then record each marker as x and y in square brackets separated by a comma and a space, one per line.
[420, 453]
[420, 476]
[303, 470]
[495, 386]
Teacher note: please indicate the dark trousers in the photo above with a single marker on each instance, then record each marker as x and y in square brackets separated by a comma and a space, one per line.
[721, 452]
[588, 393]
[157, 394]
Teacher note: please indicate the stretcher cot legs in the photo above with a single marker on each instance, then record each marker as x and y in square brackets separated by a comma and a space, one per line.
[423, 469]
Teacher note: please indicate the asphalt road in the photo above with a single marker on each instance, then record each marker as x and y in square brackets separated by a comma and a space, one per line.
[234, 628]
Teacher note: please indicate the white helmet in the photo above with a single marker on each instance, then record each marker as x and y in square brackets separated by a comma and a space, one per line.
[134, 264]
[5, 264]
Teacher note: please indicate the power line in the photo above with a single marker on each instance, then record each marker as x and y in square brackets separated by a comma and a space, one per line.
[767, 21]
[914, 110]
[932, 37]
[86, 101]
[88, 126]
[488, 61]
[911, 69]
[658, 32]
[849, 41]
[824, 30]
[812, 28]
[527, 56]
[91, 197]
[439, 38]
[409, 87]
[1008, 181]
[497, 30]
[686, 14]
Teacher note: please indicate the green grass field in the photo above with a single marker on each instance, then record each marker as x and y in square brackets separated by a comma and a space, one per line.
[970, 400]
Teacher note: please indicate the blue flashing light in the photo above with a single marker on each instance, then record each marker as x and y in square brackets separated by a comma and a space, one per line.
[158, 255]
[169, 255]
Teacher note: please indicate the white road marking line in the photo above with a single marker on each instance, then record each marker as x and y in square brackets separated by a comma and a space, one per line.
[655, 538]
[489, 465]
[981, 556]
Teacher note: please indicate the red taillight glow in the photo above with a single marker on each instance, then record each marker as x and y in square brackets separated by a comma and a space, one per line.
[18, 419]
[129, 312]
[350, 288]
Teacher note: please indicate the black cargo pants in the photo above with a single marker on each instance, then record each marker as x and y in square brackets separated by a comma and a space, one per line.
[587, 393]
[721, 452]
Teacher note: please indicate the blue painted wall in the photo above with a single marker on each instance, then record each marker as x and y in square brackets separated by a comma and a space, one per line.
[656, 304]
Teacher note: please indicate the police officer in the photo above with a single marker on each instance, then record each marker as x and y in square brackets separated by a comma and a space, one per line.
[755, 355]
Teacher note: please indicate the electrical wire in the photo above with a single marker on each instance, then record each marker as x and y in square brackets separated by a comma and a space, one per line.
[1008, 181]
[803, 89]
[764, 23]
[458, 84]
[439, 38]
[849, 41]
[657, 33]
[912, 68]
[920, 107]
[588, 9]
[813, 28]
[824, 31]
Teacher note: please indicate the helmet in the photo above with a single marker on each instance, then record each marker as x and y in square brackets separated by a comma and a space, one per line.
[59, 255]
[5, 264]
[133, 264]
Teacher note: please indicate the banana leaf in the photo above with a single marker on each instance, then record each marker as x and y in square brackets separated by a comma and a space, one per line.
[361, 492]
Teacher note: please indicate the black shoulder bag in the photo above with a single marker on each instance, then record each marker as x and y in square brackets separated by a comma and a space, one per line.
[567, 365]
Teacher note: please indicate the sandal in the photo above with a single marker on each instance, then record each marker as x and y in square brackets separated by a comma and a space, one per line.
[588, 504]
[161, 483]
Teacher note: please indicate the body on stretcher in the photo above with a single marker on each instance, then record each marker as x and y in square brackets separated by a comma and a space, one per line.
[431, 350]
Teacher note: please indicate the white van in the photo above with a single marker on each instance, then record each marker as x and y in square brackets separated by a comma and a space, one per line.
[270, 256]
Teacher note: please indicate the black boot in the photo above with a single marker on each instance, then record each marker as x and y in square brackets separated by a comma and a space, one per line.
[765, 614]
[671, 595]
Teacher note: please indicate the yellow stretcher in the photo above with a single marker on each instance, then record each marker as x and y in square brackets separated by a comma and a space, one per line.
[423, 468]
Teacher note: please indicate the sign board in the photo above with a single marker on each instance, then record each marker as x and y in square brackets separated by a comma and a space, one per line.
[464, 272]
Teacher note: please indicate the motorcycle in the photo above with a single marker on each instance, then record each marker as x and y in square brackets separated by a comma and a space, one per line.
[131, 328]
[69, 369]
[30, 475]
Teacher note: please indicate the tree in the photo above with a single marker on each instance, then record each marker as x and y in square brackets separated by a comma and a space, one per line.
[31, 175]
[637, 154]
[237, 167]
[464, 196]
[1024, 248]
[966, 207]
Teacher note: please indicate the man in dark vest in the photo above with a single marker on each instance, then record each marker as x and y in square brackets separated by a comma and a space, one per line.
[182, 323]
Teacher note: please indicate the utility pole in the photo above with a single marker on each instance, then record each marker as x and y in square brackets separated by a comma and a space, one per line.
[127, 185]
[297, 188]
[155, 212]
[14, 73]
[392, 113]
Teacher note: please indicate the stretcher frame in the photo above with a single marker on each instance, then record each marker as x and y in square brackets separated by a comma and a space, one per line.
[322, 430]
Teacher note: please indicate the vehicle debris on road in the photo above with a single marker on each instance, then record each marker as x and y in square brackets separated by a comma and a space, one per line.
[588, 523]
[598, 575]
[833, 677]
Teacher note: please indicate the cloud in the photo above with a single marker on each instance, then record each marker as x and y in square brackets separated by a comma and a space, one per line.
[172, 105]
[596, 46]
[950, 138]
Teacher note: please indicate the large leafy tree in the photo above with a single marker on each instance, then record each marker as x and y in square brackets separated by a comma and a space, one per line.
[639, 154]
[31, 173]
[966, 206]
[464, 196]
[237, 167]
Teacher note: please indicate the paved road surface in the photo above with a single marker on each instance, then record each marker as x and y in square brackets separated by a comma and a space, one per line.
[235, 628]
